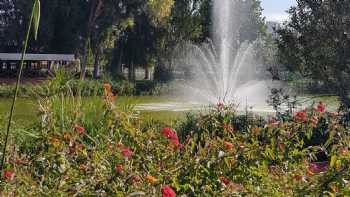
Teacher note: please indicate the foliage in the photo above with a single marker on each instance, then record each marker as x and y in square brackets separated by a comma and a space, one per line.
[137, 33]
[77, 153]
[88, 88]
[315, 43]
[159, 9]
[33, 22]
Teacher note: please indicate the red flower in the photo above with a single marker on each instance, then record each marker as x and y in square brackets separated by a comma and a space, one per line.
[119, 169]
[167, 191]
[210, 146]
[301, 115]
[318, 167]
[79, 129]
[8, 174]
[21, 162]
[274, 122]
[172, 136]
[321, 107]
[299, 178]
[228, 145]
[224, 180]
[168, 132]
[126, 152]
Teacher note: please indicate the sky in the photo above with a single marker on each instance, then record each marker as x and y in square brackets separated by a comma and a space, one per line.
[275, 10]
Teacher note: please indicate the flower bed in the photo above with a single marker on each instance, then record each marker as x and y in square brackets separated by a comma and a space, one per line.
[207, 155]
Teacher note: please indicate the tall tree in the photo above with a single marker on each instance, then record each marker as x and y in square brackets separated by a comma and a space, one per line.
[316, 43]
[137, 45]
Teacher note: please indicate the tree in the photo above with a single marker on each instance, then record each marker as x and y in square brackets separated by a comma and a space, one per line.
[189, 21]
[136, 47]
[252, 23]
[316, 42]
[6, 15]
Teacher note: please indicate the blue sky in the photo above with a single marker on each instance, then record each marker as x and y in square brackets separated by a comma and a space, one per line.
[274, 10]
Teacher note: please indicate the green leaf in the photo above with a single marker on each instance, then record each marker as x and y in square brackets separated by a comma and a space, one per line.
[333, 161]
[36, 18]
[330, 194]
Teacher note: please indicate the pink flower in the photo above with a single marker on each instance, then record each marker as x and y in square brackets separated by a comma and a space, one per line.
[343, 150]
[334, 115]
[321, 107]
[318, 167]
[167, 191]
[21, 162]
[126, 152]
[228, 145]
[237, 187]
[314, 121]
[220, 105]
[8, 174]
[79, 129]
[135, 179]
[274, 122]
[172, 136]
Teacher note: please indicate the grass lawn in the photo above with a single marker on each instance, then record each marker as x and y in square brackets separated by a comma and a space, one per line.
[27, 112]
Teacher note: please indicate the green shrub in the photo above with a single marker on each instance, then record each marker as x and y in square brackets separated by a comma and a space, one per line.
[98, 149]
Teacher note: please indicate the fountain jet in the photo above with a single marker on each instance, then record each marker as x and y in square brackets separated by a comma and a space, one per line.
[223, 69]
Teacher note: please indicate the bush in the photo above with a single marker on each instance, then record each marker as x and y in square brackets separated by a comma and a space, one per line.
[84, 88]
[102, 150]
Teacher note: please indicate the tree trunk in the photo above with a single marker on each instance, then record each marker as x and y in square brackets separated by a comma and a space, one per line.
[147, 73]
[120, 62]
[97, 63]
[85, 55]
[116, 66]
[131, 71]
[95, 11]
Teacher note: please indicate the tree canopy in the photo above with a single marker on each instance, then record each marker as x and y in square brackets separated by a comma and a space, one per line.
[316, 42]
[111, 33]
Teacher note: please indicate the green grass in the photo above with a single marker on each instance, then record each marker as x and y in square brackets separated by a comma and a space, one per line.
[27, 109]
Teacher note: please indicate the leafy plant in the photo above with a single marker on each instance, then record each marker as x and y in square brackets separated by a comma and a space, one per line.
[33, 23]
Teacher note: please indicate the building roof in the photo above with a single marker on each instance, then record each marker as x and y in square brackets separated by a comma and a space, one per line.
[37, 57]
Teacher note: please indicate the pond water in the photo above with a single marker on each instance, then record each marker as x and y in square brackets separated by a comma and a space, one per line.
[160, 108]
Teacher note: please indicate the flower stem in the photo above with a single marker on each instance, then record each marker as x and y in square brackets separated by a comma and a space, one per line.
[25, 45]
